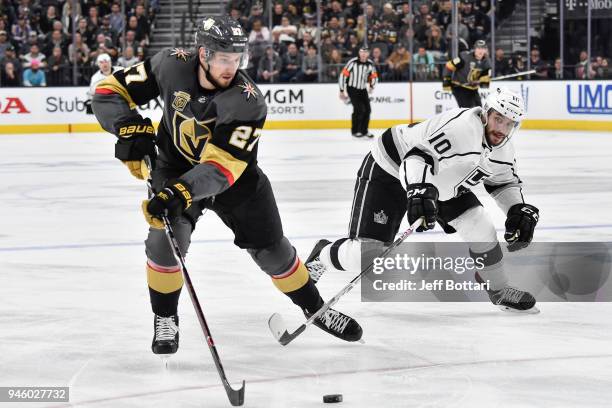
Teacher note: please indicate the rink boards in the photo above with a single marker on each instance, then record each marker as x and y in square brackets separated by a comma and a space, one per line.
[576, 105]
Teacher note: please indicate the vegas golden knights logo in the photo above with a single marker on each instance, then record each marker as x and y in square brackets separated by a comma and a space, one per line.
[190, 136]
[181, 99]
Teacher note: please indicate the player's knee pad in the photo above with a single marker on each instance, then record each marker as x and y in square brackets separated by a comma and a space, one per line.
[158, 248]
[281, 262]
[276, 258]
[475, 226]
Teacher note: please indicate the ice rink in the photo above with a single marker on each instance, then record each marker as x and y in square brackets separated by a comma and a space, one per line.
[74, 306]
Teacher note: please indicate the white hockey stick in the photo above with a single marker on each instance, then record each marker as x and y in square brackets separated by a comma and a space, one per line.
[533, 71]
[277, 323]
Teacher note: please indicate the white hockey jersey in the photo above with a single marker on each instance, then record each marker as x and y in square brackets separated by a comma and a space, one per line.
[97, 77]
[450, 152]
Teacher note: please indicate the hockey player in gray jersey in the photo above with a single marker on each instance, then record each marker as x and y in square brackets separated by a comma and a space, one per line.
[466, 73]
[428, 170]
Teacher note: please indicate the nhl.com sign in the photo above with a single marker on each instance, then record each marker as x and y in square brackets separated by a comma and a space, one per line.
[589, 99]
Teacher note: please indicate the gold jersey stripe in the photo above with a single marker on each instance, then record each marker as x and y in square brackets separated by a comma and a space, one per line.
[164, 282]
[222, 158]
[294, 280]
[111, 83]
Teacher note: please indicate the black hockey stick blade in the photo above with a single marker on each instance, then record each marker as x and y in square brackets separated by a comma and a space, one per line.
[236, 397]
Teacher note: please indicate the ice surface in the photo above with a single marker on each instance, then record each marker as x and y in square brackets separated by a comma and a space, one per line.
[74, 306]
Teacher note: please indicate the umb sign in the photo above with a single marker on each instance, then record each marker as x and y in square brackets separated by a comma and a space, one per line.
[585, 98]
[577, 9]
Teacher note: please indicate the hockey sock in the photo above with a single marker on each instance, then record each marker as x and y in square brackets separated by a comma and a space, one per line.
[296, 284]
[346, 254]
[492, 259]
[165, 283]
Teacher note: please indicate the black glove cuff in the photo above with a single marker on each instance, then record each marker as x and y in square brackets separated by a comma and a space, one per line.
[527, 210]
[422, 190]
[182, 190]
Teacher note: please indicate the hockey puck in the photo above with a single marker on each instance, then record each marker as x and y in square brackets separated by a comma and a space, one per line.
[332, 398]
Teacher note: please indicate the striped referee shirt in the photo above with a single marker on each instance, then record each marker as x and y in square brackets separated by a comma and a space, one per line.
[357, 74]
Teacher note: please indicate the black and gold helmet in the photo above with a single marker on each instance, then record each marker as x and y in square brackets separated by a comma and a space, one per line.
[221, 34]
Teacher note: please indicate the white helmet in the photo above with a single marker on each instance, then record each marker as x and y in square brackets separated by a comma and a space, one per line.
[508, 103]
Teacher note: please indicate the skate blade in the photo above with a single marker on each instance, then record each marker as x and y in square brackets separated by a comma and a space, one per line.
[533, 310]
[361, 341]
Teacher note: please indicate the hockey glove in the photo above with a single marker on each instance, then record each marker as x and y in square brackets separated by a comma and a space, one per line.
[446, 84]
[520, 224]
[422, 202]
[171, 201]
[136, 139]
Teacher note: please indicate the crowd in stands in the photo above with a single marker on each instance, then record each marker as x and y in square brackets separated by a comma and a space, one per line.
[284, 46]
[36, 47]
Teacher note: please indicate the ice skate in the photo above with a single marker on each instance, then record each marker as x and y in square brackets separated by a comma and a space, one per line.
[313, 263]
[511, 299]
[338, 324]
[166, 335]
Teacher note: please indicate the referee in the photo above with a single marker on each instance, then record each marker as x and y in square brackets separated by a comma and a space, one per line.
[356, 75]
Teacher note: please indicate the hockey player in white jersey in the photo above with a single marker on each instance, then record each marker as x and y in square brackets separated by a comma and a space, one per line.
[428, 170]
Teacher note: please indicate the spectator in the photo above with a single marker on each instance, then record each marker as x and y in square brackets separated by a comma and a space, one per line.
[351, 9]
[435, 41]
[422, 21]
[34, 55]
[559, 72]
[378, 59]
[10, 76]
[540, 66]
[295, 17]
[477, 23]
[600, 68]
[130, 41]
[46, 21]
[93, 20]
[108, 30]
[141, 35]
[309, 27]
[277, 14]
[292, 62]
[58, 68]
[284, 28]
[241, 5]
[78, 51]
[4, 44]
[583, 67]
[259, 39]
[143, 20]
[34, 76]
[11, 56]
[67, 15]
[502, 64]
[128, 58]
[444, 16]
[55, 40]
[256, 14]
[116, 18]
[269, 66]
[310, 65]
[21, 31]
[102, 6]
[351, 49]
[423, 65]
[398, 64]
[103, 45]
[518, 64]
[333, 66]
[86, 34]
[388, 15]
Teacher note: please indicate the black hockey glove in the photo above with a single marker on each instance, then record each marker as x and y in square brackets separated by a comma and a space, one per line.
[171, 201]
[422, 202]
[136, 139]
[520, 224]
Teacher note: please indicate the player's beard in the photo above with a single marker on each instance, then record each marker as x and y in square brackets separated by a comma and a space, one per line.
[212, 80]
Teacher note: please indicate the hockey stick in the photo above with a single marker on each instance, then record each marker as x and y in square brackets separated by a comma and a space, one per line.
[236, 397]
[533, 71]
[277, 323]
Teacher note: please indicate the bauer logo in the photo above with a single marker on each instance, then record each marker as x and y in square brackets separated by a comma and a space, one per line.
[589, 99]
